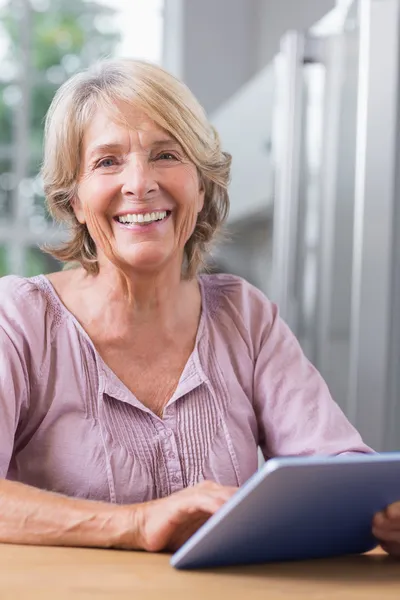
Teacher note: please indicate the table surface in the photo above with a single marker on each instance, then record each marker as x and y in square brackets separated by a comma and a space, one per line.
[32, 572]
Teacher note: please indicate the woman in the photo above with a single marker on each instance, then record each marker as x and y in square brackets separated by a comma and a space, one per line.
[134, 393]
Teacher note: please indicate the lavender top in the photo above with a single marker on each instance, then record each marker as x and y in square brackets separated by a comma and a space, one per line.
[68, 424]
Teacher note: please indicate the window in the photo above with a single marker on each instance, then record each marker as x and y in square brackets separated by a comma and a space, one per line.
[42, 43]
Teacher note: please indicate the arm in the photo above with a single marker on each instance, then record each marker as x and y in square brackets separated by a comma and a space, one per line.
[32, 516]
[295, 411]
[29, 515]
[297, 415]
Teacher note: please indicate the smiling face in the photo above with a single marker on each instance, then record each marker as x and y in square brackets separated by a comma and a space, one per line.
[137, 193]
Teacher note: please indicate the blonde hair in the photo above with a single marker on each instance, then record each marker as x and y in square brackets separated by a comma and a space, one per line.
[165, 100]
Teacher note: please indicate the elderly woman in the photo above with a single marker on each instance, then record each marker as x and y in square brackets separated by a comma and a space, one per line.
[134, 392]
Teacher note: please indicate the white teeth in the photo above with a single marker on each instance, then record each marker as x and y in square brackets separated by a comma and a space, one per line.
[143, 217]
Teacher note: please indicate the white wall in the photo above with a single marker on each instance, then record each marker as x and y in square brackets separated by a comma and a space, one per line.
[220, 48]
[244, 124]
[216, 46]
[277, 16]
[245, 252]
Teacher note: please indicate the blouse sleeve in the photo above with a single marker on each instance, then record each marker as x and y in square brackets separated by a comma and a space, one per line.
[13, 397]
[22, 346]
[296, 414]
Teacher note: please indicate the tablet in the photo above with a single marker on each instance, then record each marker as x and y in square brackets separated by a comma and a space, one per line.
[297, 508]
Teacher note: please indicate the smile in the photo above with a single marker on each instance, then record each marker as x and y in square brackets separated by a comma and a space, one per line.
[142, 218]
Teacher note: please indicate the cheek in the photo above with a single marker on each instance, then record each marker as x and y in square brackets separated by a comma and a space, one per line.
[94, 199]
[184, 188]
[101, 232]
[186, 222]
[96, 194]
[185, 191]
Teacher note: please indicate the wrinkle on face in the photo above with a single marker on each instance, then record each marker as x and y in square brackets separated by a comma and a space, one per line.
[136, 147]
[186, 225]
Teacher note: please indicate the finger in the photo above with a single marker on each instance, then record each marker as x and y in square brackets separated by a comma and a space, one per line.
[383, 521]
[392, 548]
[212, 486]
[207, 489]
[386, 535]
[183, 510]
[379, 519]
[198, 503]
[186, 531]
[393, 511]
[203, 499]
[221, 494]
[387, 526]
[225, 493]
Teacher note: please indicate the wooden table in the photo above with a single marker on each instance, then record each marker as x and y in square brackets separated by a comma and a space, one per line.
[31, 572]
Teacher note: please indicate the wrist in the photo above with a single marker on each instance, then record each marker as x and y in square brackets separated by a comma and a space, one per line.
[128, 527]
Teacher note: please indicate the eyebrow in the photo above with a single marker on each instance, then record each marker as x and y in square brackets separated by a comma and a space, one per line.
[165, 141]
[105, 148]
[115, 146]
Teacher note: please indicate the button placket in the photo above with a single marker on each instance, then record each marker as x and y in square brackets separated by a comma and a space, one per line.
[170, 452]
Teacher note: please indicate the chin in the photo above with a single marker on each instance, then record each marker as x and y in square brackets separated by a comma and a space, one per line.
[145, 261]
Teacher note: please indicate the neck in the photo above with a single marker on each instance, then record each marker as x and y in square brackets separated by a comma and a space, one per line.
[137, 298]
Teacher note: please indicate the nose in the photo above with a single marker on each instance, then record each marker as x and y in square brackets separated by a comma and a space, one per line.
[139, 180]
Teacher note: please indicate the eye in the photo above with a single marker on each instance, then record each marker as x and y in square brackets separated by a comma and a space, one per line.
[166, 156]
[109, 161]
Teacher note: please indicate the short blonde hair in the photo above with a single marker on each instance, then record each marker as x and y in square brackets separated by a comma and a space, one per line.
[165, 100]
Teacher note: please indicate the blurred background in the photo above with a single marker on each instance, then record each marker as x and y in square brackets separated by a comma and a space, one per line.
[305, 96]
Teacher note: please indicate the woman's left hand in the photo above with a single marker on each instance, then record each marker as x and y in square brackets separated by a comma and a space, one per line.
[386, 528]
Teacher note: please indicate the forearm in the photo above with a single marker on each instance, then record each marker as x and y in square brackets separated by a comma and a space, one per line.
[32, 516]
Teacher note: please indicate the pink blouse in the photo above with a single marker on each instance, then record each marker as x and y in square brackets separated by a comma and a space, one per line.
[68, 424]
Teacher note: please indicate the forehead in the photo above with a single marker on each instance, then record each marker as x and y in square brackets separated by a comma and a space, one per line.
[126, 126]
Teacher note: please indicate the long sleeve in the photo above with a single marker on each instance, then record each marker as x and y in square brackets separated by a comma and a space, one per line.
[295, 412]
[22, 343]
[13, 397]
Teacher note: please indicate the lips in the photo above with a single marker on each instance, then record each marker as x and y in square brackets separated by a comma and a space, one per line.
[142, 218]
[134, 220]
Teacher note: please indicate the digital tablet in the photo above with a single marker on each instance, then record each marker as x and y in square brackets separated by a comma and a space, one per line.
[297, 508]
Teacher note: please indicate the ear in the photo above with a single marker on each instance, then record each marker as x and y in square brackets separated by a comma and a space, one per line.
[202, 192]
[200, 202]
[78, 210]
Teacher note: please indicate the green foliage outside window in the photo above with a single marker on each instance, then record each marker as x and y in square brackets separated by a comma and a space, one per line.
[65, 36]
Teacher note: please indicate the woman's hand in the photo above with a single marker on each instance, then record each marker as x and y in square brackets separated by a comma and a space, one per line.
[167, 523]
[386, 528]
